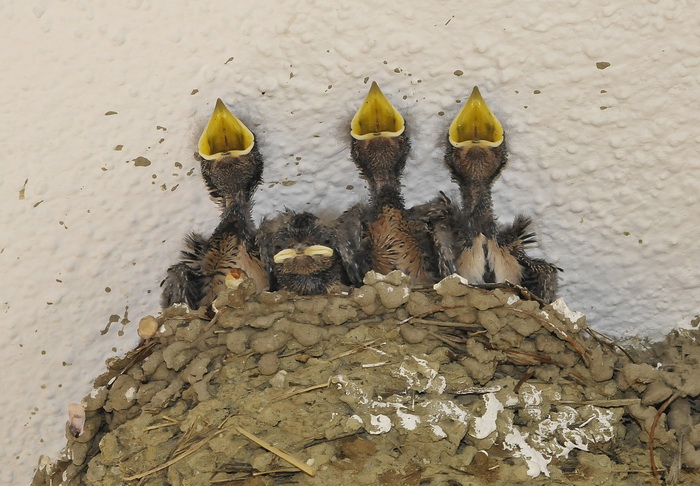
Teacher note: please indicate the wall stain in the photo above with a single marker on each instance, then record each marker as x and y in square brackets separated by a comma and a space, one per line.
[141, 161]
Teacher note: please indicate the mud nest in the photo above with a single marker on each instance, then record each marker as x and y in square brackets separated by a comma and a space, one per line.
[454, 385]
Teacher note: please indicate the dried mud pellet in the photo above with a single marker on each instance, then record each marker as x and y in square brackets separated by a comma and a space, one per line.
[395, 277]
[482, 300]
[163, 372]
[95, 399]
[148, 327]
[679, 414]
[694, 435]
[268, 364]
[190, 330]
[148, 390]
[526, 327]
[602, 365]
[691, 385]
[478, 371]
[392, 296]
[176, 310]
[267, 342]
[656, 392]
[491, 322]
[338, 312]
[79, 452]
[237, 341]
[419, 303]
[279, 380]
[566, 359]
[412, 334]
[306, 334]
[691, 457]
[231, 320]
[364, 295]
[272, 298]
[177, 355]
[453, 285]
[311, 306]
[547, 373]
[196, 369]
[638, 376]
[549, 344]
[122, 394]
[265, 321]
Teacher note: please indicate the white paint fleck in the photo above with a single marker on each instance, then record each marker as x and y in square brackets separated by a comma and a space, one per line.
[486, 424]
[512, 299]
[441, 283]
[536, 462]
[357, 419]
[532, 399]
[379, 424]
[437, 430]
[374, 365]
[130, 394]
[560, 306]
[407, 420]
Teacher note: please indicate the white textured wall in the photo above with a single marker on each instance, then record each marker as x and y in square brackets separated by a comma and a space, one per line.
[605, 159]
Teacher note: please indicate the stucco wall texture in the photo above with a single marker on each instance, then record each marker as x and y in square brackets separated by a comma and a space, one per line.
[102, 104]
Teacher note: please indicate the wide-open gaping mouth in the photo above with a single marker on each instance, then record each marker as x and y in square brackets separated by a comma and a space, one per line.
[475, 124]
[377, 117]
[224, 135]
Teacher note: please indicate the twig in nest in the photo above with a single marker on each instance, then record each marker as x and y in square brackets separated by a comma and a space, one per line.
[606, 341]
[431, 312]
[169, 422]
[295, 392]
[457, 325]
[475, 390]
[276, 471]
[135, 356]
[203, 333]
[522, 381]
[175, 459]
[559, 332]
[603, 402]
[450, 342]
[359, 347]
[323, 440]
[278, 452]
[652, 430]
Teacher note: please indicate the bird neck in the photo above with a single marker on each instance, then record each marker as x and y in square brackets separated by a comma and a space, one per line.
[386, 195]
[236, 219]
[477, 207]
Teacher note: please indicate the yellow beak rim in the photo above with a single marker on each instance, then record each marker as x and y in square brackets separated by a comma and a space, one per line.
[224, 135]
[377, 117]
[313, 250]
[475, 124]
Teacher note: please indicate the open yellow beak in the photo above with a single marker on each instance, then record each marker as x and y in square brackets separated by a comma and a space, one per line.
[224, 135]
[377, 117]
[312, 250]
[475, 124]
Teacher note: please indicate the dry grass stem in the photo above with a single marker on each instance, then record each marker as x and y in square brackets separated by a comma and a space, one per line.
[278, 452]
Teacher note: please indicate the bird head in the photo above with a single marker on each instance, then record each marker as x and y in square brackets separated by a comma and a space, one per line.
[379, 144]
[302, 246]
[231, 163]
[477, 150]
